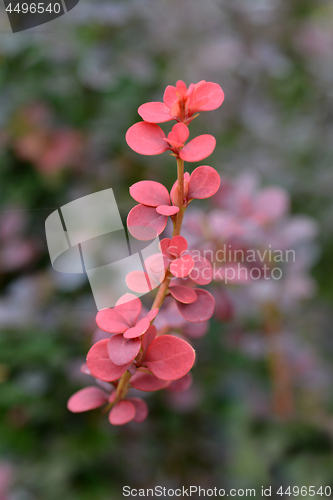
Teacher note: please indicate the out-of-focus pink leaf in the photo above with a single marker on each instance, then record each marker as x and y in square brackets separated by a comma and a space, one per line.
[147, 382]
[202, 273]
[200, 310]
[122, 351]
[144, 223]
[150, 193]
[169, 358]
[122, 413]
[139, 329]
[204, 182]
[199, 148]
[154, 112]
[100, 364]
[141, 409]
[86, 399]
[183, 294]
[181, 384]
[196, 330]
[146, 139]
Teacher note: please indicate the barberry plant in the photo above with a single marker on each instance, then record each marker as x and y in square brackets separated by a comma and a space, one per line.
[136, 354]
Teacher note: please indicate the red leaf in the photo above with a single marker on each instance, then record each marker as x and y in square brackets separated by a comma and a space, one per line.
[200, 310]
[122, 413]
[100, 364]
[141, 409]
[111, 321]
[179, 133]
[148, 337]
[150, 193]
[199, 148]
[147, 382]
[86, 399]
[154, 112]
[140, 282]
[166, 210]
[169, 358]
[182, 267]
[170, 95]
[177, 246]
[122, 351]
[212, 93]
[183, 294]
[144, 223]
[152, 314]
[181, 384]
[138, 330]
[129, 306]
[202, 273]
[146, 139]
[204, 182]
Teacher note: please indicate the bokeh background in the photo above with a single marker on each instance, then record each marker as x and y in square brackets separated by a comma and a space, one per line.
[69, 92]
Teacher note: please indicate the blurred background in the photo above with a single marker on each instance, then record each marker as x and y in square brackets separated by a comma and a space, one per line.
[69, 92]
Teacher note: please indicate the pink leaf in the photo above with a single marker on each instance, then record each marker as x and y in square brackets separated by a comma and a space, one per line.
[100, 364]
[150, 193]
[196, 330]
[154, 112]
[170, 95]
[111, 321]
[179, 133]
[148, 337]
[146, 139]
[181, 384]
[166, 210]
[204, 182]
[199, 148]
[140, 282]
[122, 351]
[86, 399]
[177, 246]
[200, 310]
[138, 330]
[129, 306]
[169, 358]
[164, 245]
[122, 413]
[147, 382]
[144, 223]
[211, 92]
[182, 267]
[202, 273]
[183, 294]
[141, 409]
